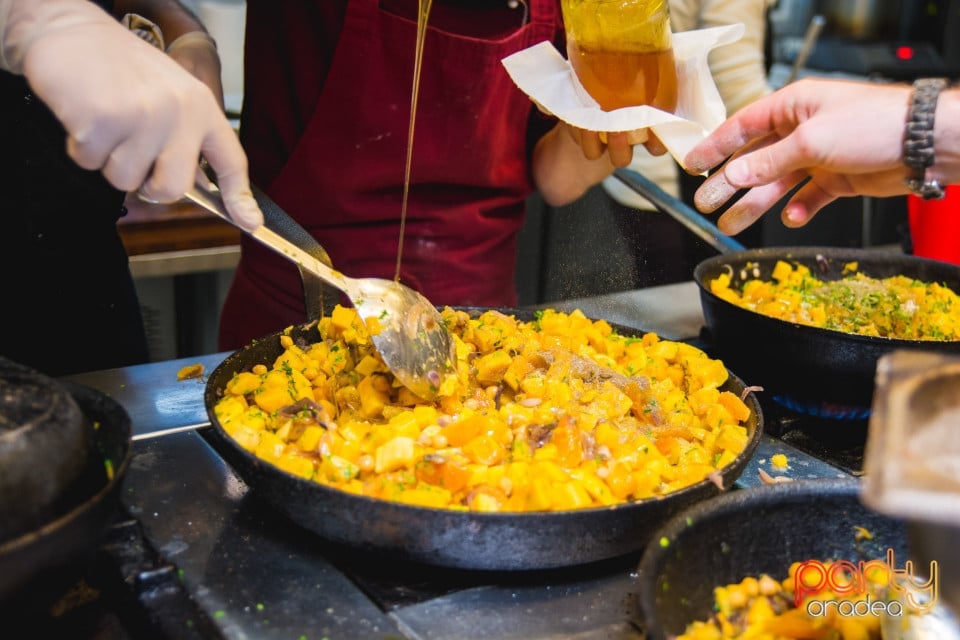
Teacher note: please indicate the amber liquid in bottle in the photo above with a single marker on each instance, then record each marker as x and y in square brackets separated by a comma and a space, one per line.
[618, 79]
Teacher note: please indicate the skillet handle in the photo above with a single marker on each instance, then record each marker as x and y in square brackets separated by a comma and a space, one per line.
[679, 211]
[315, 290]
[209, 198]
[284, 225]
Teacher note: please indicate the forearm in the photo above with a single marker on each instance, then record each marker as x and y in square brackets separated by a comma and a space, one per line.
[947, 137]
[186, 39]
[560, 170]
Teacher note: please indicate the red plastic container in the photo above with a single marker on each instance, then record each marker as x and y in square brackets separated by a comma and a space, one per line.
[935, 226]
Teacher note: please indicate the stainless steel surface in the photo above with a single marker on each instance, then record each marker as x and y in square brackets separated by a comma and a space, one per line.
[413, 341]
[912, 460]
[152, 395]
[176, 263]
[256, 574]
[671, 311]
[912, 463]
[800, 465]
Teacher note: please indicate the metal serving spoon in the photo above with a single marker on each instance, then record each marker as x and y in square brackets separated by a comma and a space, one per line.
[413, 341]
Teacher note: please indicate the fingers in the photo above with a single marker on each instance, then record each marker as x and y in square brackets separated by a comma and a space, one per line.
[759, 119]
[755, 203]
[223, 152]
[134, 113]
[133, 159]
[639, 136]
[654, 146]
[805, 204]
[726, 139]
[593, 147]
[772, 161]
[719, 187]
[713, 193]
[618, 145]
[174, 171]
[619, 148]
[149, 143]
[90, 146]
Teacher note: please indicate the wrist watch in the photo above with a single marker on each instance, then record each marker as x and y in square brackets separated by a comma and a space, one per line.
[918, 138]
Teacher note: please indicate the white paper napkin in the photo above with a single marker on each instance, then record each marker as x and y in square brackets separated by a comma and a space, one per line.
[546, 76]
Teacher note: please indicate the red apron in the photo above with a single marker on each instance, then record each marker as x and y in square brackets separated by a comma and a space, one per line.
[342, 178]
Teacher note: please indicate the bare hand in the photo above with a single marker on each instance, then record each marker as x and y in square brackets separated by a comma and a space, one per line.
[835, 138]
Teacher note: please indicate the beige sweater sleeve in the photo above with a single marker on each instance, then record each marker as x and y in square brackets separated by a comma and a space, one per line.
[737, 68]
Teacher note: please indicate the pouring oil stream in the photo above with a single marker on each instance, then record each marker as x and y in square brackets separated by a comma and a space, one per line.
[422, 15]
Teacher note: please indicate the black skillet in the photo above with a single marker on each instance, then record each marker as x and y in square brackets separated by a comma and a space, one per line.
[809, 364]
[809, 367]
[753, 531]
[35, 563]
[487, 541]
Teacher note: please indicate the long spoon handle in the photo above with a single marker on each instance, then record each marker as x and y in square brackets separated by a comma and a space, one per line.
[210, 199]
[280, 221]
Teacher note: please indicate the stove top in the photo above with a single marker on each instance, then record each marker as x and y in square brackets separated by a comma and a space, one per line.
[172, 567]
[836, 438]
[194, 553]
[123, 590]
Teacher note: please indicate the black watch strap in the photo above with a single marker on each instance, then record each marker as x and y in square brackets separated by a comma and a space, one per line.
[918, 139]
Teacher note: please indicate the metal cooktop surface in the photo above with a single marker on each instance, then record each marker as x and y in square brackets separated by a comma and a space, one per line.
[194, 553]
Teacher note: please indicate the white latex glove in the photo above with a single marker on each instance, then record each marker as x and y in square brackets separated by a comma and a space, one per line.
[129, 110]
[197, 53]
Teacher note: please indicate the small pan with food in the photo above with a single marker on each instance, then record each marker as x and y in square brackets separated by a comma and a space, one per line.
[825, 371]
[64, 449]
[745, 543]
[464, 534]
[812, 365]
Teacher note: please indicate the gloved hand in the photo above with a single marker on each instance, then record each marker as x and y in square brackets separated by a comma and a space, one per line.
[129, 110]
[197, 53]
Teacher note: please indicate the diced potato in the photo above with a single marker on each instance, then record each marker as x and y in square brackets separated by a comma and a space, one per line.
[310, 438]
[491, 367]
[395, 454]
[525, 424]
[270, 447]
[433, 497]
[243, 383]
[737, 408]
[484, 450]
[338, 469]
[246, 437]
[374, 395]
[297, 465]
